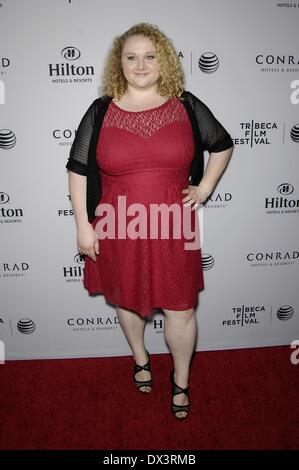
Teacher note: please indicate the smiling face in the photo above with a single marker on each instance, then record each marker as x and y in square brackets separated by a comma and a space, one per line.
[140, 62]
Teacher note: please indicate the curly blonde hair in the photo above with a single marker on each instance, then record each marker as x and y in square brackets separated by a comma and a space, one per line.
[171, 80]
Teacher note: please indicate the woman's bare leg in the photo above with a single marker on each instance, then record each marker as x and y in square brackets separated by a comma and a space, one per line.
[133, 326]
[180, 334]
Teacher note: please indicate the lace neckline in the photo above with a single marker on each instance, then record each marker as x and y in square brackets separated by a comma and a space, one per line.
[144, 110]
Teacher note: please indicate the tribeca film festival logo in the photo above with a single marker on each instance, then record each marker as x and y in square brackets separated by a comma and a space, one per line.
[74, 272]
[256, 133]
[71, 71]
[256, 314]
[284, 203]
[245, 315]
[260, 133]
[9, 214]
[137, 227]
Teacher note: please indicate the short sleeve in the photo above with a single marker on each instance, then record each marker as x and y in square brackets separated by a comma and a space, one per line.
[78, 155]
[214, 136]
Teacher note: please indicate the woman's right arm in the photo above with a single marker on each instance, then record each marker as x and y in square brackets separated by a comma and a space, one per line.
[77, 188]
[87, 241]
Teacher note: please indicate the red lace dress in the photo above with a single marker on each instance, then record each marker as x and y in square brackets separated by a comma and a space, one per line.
[144, 159]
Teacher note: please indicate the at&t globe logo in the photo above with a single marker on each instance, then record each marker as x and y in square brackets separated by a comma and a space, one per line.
[26, 326]
[208, 62]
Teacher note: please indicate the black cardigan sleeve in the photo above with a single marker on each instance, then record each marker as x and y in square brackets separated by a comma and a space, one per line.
[78, 155]
[215, 137]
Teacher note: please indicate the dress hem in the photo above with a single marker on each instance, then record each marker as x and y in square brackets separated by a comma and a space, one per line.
[149, 312]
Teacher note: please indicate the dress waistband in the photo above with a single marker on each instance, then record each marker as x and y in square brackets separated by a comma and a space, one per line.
[147, 179]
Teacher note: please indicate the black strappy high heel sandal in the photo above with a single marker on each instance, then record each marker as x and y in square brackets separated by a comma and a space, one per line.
[143, 383]
[176, 390]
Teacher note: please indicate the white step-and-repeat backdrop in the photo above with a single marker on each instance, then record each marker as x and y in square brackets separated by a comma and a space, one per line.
[250, 244]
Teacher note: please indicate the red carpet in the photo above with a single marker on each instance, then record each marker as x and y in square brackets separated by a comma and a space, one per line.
[240, 399]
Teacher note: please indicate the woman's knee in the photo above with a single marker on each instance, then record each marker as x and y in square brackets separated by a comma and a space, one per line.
[179, 314]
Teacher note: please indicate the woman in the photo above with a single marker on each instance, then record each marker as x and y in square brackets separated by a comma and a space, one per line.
[140, 140]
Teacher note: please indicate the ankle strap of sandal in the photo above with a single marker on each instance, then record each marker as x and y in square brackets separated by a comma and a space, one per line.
[145, 367]
[177, 390]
